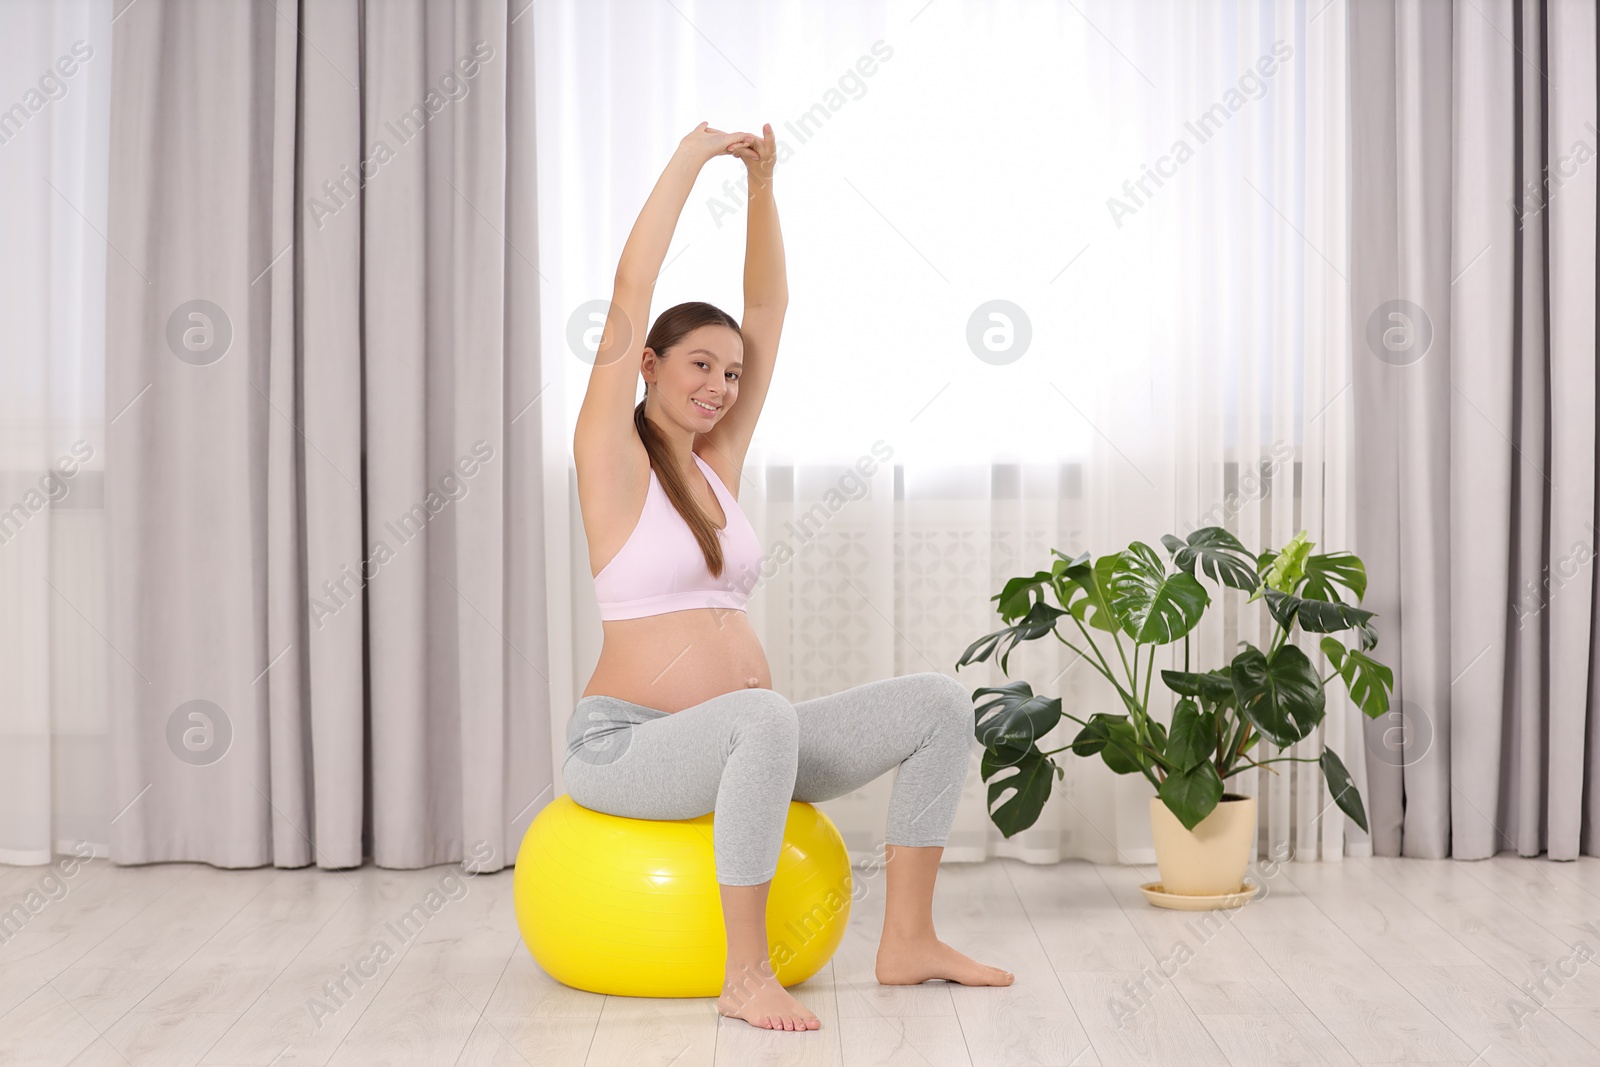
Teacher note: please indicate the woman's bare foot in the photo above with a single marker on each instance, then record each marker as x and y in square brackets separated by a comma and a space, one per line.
[759, 999]
[910, 961]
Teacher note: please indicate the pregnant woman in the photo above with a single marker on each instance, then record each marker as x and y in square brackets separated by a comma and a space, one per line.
[680, 718]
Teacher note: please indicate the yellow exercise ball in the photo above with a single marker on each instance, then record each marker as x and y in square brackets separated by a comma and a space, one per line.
[631, 907]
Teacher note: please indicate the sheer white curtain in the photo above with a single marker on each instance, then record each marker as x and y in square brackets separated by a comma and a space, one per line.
[1060, 276]
[54, 110]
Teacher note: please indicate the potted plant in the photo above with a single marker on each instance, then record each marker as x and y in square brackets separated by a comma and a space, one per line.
[1203, 834]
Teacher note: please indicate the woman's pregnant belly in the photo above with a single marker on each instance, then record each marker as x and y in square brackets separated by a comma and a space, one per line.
[679, 659]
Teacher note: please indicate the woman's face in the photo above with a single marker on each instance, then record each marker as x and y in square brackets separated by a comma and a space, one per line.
[699, 378]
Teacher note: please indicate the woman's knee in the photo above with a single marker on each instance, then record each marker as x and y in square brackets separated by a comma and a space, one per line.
[949, 698]
[763, 712]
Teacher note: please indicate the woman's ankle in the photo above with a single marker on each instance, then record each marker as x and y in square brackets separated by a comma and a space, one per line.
[747, 973]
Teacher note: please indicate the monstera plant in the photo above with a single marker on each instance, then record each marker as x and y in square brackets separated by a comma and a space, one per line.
[1137, 601]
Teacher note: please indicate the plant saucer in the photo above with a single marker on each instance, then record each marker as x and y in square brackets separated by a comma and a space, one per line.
[1162, 899]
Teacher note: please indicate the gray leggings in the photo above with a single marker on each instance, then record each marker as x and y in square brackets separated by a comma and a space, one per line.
[746, 754]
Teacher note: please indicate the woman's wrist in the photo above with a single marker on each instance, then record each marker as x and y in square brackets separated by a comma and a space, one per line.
[692, 157]
[758, 184]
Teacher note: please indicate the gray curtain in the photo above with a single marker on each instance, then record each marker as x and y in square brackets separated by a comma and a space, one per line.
[1473, 299]
[323, 474]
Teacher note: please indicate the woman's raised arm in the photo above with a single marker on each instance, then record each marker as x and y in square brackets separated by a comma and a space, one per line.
[766, 299]
[605, 419]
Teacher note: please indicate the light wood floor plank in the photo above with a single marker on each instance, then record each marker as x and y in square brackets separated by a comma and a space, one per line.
[520, 1041]
[662, 1032]
[1273, 1040]
[1211, 964]
[1486, 1012]
[236, 965]
[1567, 911]
[159, 1038]
[60, 935]
[903, 1041]
[1582, 1021]
[1363, 961]
[308, 1009]
[1517, 946]
[416, 1019]
[1030, 1021]
[1584, 872]
[1385, 924]
[1130, 1023]
[46, 1029]
[1079, 923]
[527, 992]
[1367, 1011]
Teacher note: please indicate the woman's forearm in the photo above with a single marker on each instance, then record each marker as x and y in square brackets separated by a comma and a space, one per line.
[766, 284]
[646, 247]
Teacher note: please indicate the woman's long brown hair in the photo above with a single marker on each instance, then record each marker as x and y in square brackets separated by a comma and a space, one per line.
[670, 328]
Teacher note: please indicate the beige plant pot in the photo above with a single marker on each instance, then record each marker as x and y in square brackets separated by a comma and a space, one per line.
[1211, 859]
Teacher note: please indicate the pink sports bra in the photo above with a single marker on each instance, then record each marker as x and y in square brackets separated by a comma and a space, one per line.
[660, 568]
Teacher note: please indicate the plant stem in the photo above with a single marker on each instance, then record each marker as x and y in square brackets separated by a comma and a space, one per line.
[1277, 640]
[1116, 636]
[1220, 726]
[1252, 763]
[1129, 699]
[1225, 758]
[1244, 735]
[1105, 664]
[1083, 654]
[1149, 672]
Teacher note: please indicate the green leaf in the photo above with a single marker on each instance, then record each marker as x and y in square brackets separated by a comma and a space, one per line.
[1122, 752]
[1284, 569]
[1093, 737]
[1368, 681]
[1029, 788]
[1013, 719]
[1221, 556]
[1193, 794]
[1344, 791]
[1094, 609]
[1315, 616]
[1215, 686]
[1192, 738]
[1156, 608]
[1335, 568]
[1040, 620]
[1369, 636]
[1018, 596]
[1104, 730]
[1282, 697]
[1158, 736]
[1063, 584]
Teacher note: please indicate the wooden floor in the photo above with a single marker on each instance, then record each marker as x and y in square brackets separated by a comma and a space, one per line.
[1365, 961]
